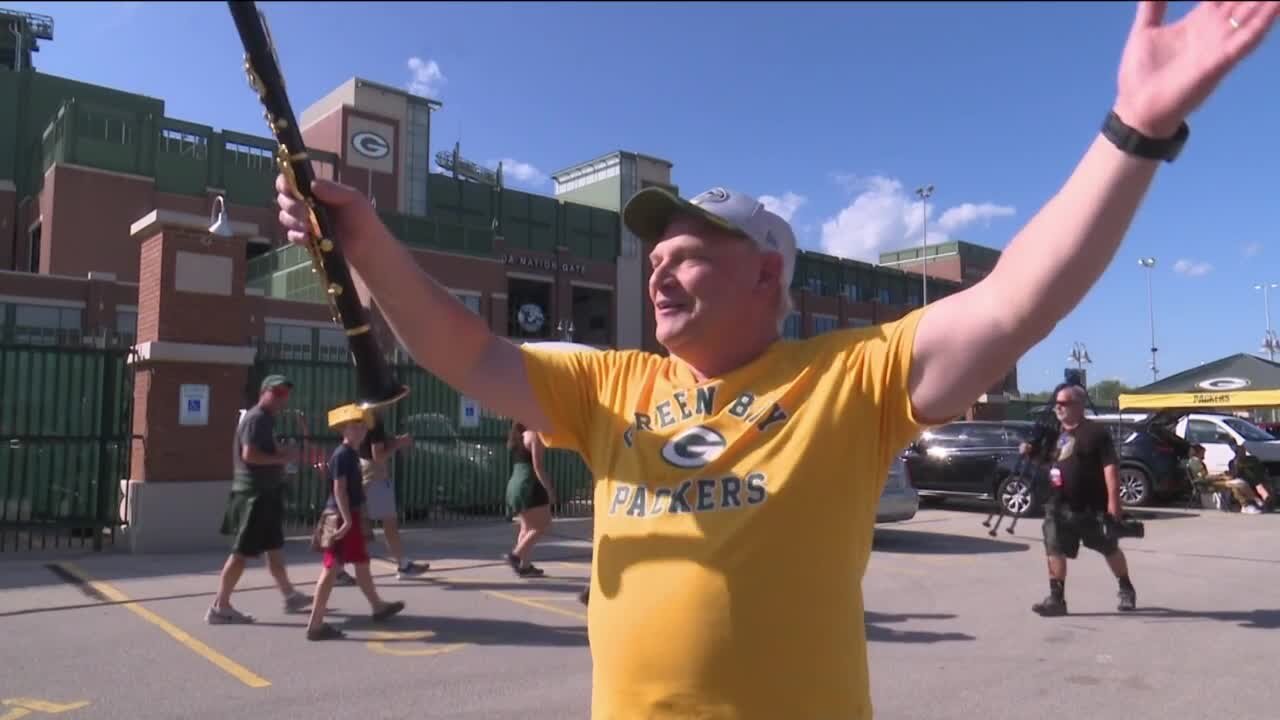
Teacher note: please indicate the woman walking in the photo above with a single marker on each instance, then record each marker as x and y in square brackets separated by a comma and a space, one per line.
[529, 496]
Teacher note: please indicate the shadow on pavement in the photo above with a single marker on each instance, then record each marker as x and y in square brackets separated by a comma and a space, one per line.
[893, 540]
[877, 633]
[548, 584]
[477, 544]
[407, 630]
[1255, 619]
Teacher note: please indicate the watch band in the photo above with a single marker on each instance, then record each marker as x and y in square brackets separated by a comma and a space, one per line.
[1135, 143]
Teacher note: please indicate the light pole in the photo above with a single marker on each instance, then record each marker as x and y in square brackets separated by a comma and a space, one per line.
[1080, 355]
[1269, 336]
[1149, 263]
[924, 193]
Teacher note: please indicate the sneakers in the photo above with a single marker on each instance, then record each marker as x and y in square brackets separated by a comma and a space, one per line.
[226, 616]
[325, 632]
[529, 571]
[297, 602]
[1251, 510]
[387, 610]
[344, 579]
[412, 569]
[526, 571]
[1050, 607]
[1128, 600]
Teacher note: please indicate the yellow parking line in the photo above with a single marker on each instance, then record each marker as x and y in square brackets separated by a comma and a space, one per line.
[535, 604]
[109, 591]
[380, 645]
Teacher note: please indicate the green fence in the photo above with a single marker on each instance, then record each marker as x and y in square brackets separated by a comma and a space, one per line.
[65, 441]
[450, 472]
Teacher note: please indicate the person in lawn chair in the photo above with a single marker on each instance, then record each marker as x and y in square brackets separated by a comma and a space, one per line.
[1222, 486]
[1248, 469]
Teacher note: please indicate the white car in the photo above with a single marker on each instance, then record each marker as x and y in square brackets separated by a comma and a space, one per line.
[1213, 430]
[899, 501]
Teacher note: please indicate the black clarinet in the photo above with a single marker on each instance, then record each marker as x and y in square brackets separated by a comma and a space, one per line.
[375, 385]
[1029, 467]
[1035, 464]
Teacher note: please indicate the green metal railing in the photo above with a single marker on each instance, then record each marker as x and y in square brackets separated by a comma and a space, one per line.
[65, 443]
[449, 473]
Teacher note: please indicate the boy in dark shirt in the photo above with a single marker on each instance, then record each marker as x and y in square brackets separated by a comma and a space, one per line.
[346, 497]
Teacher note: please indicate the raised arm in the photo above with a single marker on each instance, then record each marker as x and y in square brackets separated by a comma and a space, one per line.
[966, 342]
[443, 336]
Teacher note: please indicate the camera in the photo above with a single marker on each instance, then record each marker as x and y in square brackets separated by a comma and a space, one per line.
[1122, 527]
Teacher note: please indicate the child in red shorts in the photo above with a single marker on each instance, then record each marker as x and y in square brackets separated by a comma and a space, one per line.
[346, 498]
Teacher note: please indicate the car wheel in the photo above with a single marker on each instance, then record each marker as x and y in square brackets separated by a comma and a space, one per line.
[1135, 487]
[1014, 496]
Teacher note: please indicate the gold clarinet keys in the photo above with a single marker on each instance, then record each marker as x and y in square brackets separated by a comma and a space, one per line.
[255, 82]
[326, 245]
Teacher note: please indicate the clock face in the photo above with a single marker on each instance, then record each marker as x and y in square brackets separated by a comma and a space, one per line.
[530, 318]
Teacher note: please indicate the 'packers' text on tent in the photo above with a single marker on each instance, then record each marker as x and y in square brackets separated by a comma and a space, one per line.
[1236, 381]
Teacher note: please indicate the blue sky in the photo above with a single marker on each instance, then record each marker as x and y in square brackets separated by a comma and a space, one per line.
[835, 113]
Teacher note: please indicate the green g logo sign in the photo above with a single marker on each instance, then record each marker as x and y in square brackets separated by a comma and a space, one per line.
[370, 145]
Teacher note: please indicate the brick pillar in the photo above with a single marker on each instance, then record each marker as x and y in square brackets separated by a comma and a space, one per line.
[189, 382]
[498, 313]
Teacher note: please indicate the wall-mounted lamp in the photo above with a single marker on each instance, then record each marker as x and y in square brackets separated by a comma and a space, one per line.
[219, 225]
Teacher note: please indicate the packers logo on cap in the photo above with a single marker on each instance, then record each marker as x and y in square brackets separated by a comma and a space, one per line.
[345, 414]
[716, 195]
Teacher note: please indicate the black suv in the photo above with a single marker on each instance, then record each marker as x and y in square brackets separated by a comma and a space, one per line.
[977, 460]
[1152, 461]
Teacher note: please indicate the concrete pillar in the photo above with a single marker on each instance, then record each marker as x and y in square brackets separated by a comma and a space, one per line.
[193, 358]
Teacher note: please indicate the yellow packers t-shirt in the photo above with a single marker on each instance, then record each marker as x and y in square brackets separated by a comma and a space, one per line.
[733, 520]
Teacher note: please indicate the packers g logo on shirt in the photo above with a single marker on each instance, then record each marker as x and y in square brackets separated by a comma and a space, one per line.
[694, 448]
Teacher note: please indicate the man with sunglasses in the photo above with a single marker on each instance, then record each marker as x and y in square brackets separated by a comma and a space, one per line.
[254, 516]
[1085, 483]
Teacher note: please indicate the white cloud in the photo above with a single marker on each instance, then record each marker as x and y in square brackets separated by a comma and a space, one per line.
[521, 172]
[1253, 249]
[784, 207]
[885, 215]
[425, 77]
[1192, 269]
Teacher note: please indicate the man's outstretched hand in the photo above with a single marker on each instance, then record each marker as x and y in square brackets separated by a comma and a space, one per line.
[1168, 70]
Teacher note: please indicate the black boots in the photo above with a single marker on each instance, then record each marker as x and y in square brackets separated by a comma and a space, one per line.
[1050, 607]
[1128, 596]
[1056, 604]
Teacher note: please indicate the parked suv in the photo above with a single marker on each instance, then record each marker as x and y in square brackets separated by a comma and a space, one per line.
[1152, 461]
[977, 460]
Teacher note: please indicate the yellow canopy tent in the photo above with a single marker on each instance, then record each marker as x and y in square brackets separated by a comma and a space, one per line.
[1236, 381]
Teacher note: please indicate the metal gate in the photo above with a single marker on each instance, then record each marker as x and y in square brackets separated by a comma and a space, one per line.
[66, 417]
[451, 472]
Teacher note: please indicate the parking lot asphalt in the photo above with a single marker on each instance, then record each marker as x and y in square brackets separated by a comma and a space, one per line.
[950, 631]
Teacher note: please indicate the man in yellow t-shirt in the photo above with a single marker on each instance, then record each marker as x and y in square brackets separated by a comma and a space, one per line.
[737, 477]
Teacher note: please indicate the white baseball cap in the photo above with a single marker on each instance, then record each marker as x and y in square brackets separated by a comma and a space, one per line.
[649, 212]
